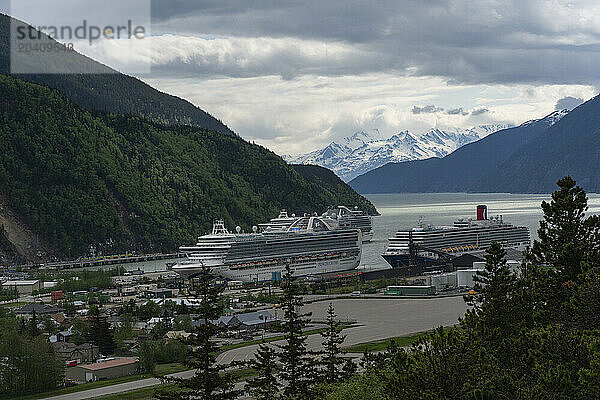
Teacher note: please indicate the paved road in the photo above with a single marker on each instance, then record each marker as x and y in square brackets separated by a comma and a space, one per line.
[119, 388]
[379, 319]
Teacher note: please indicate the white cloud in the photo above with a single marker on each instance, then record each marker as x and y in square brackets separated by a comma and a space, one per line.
[302, 114]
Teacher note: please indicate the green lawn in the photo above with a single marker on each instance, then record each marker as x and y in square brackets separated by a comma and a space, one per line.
[16, 304]
[279, 337]
[140, 394]
[161, 369]
[148, 393]
[379, 345]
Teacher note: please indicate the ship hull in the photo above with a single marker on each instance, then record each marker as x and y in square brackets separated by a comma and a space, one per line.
[262, 273]
[403, 260]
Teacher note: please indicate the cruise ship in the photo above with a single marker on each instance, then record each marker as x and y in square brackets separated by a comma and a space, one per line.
[310, 245]
[465, 236]
[340, 217]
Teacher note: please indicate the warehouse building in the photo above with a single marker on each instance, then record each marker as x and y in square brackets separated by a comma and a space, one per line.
[23, 287]
[101, 370]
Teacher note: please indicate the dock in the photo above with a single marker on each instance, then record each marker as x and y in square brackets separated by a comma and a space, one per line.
[101, 261]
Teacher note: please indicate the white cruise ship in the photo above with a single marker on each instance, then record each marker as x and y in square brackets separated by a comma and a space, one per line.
[340, 217]
[310, 245]
[465, 236]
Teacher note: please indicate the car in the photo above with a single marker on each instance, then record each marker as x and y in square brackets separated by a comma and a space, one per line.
[356, 293]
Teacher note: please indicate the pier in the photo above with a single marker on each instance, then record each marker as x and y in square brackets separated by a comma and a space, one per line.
[100, 261]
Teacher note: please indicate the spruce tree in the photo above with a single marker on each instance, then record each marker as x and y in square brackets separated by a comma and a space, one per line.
[265, 385]
[494, 287]
[211, 381]
[297, 364]
[566, 235]
[566, 256]
[33, 324]
[99, 332]
[333, 363]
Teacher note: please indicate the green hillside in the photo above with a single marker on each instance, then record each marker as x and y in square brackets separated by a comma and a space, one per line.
[119, 182]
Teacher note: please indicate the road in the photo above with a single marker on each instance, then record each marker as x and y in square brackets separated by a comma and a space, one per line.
[378, 319]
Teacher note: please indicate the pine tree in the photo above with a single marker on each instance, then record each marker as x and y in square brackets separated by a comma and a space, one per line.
[297, 365]
[332, 361]
[33, 325]
[494, 287]
[567, 255]
[265, 385]
[99, 332]
[211, 381]
[566, 236]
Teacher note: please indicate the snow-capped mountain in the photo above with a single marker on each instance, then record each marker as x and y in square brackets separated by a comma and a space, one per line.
[362, 151]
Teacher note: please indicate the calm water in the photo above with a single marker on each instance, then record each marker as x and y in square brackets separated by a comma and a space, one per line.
[404, 210]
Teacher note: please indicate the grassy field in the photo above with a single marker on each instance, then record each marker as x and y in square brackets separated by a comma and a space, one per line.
[15, 304]
[379, 345]
[140, 394]
[279, 337]
[148, 393]
[161, 369]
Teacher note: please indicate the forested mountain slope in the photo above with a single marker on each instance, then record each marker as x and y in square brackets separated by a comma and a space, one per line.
[120, 182]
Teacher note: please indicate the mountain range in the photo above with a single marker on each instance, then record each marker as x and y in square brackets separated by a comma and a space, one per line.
[363, 152]
[529, 158]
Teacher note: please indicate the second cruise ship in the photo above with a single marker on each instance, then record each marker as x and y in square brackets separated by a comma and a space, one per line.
[340, 217]
[310, 245]
[465, 236]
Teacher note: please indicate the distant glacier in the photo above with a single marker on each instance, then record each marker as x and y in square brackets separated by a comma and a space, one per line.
[363, 152]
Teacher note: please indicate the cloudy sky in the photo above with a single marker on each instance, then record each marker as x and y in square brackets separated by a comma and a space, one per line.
[295, 75]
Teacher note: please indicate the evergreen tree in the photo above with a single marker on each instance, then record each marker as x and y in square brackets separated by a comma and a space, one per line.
[211, 381]
[265, 385]
[566, 236]
[332, 361]
[146, 357]
[99, 332]
[297, 365]
[494, 287]
[33, 324]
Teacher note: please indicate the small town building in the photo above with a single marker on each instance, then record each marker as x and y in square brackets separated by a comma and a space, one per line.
[25, 287]
[162, 293]
[255, 320]
[178, 335]
[250, 321]
[40, 309]
[103, 369]
[84, 353]
[63, 336]
[56, 295]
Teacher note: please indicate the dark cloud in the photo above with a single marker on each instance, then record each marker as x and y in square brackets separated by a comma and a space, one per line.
[457, 111]
[426, 109]
[568, 103]
[464, 41]
[479, 111]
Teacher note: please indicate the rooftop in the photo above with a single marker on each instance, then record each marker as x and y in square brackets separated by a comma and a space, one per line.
[39, 309]
[109, 364]
[20, 283]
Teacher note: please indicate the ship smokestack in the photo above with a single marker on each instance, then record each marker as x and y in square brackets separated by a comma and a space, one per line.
[481, 212]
